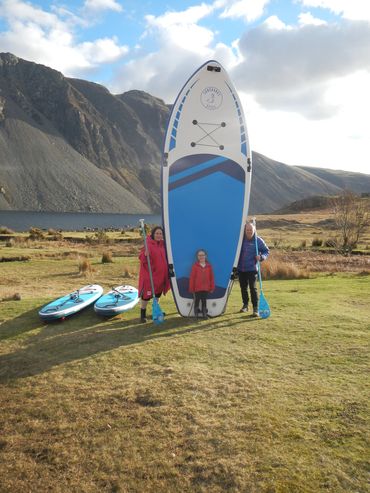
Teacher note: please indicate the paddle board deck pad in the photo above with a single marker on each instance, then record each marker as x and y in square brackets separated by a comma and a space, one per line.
[118, 300]
[71, 303]
[206, 177]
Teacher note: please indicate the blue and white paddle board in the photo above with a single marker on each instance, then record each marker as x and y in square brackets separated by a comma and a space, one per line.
[206, 177]
[118, 300]
[71, 303]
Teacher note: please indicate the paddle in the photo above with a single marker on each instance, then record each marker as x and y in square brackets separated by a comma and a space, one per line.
[157, 314]
[263, 306]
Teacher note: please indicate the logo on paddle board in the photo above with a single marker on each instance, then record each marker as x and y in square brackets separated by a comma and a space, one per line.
[211, 98]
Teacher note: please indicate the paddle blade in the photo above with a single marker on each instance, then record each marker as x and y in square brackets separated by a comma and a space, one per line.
[157, 314]
[263, 307]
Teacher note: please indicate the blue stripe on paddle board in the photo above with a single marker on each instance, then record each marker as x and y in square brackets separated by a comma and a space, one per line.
[243, 146]
[196, 168]
[178, 115]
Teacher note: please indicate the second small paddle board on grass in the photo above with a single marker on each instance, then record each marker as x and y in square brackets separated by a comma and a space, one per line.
[71, 303]
[118, 300]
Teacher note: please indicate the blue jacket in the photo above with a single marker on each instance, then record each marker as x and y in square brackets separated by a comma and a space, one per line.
[247, 261]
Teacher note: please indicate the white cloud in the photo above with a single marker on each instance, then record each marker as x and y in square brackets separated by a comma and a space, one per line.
[181, 28]
[192, 15]
[273, 22]
[49, 38]
[340, 142]
[103, 50]
[292, 69]
[306, 19]
[249, 10]
[182, 44]
[98, 5]
[17, 10]
[349, 9]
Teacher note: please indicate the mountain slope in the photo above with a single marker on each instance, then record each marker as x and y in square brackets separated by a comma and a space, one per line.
[275, 184]
[43, 172]
[357, 182]
[101, 128]
[71, 145]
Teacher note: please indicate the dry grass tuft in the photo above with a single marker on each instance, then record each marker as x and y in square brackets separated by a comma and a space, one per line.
[12, 297]
[85, 267]
[107, 258]
[17, 258]
[317, 242]
[129, 273]
[322, 262]
[274, 268]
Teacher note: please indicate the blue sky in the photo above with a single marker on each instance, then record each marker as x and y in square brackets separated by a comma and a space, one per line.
[301, 67]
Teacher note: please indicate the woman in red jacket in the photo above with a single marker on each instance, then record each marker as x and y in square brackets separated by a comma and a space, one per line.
[201, 282]
[158, 263]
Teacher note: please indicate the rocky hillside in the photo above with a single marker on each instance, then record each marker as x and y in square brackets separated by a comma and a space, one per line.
[70, 145]
[67, 144]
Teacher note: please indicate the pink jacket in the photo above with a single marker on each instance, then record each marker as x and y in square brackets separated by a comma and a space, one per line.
[158, 262]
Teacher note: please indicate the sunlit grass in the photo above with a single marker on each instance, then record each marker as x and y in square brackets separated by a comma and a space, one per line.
[226, 404]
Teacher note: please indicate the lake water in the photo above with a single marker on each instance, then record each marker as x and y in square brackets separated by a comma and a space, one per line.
[72, 221]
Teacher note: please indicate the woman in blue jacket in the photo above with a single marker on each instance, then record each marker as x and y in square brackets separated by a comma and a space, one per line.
[247, 266]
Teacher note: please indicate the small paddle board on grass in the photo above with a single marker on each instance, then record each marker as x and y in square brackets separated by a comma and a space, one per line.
[71, 303]
[206, 178]
[118, 300]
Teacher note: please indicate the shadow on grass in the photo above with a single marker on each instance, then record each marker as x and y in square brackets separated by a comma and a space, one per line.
[84, 335]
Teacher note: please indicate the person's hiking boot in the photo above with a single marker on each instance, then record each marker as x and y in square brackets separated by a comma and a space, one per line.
[143, 315]
[255, 313]
[243, 309]
[204, 312]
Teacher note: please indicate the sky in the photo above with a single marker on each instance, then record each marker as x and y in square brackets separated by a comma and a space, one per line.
[301, 67]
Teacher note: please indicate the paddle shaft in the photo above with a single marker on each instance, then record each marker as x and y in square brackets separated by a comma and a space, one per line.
[147, 256]
[258, 262]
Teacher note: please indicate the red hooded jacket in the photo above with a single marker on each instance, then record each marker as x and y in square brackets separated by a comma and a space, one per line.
[201, 278]
[158, 263]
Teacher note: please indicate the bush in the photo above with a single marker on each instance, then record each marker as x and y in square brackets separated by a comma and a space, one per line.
[98, 237]
[101, 237]
[54, 235]
[303, 244]
[330, 243]
[107, 258]
[36, 234]
[316, 242]
[4, 230]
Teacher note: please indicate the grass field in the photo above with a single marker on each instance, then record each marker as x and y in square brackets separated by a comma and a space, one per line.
[228, 404]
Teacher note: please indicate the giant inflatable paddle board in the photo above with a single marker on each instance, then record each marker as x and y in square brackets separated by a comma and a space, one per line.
[206, 177]
[71, 303]
[118, 300]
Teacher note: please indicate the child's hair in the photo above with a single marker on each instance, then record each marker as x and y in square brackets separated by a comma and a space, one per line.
[198, 252]
[154, 230]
